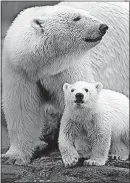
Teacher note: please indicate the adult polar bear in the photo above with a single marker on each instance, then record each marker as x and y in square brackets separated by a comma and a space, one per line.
[49, 44]
[110, 59]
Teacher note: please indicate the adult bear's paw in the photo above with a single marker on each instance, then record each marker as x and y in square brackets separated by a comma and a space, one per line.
[15, 159]
[15, 156]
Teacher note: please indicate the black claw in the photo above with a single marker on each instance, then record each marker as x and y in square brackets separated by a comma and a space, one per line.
[110, 158]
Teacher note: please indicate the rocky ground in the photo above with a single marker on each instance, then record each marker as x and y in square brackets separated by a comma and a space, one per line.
[49, 168]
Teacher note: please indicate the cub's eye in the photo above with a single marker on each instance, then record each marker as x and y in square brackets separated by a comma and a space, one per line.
[72, 90]
[77, 18]
[86, 90]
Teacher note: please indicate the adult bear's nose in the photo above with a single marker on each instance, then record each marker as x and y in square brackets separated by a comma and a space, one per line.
[103, 28]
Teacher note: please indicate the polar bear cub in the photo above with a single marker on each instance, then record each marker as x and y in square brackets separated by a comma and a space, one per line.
[95, 123]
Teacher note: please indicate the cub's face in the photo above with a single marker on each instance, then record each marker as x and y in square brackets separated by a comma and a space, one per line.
[65, 34]
[81, 94]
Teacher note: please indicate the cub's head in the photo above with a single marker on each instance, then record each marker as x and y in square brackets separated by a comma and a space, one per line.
[64, 35]
[81, 94]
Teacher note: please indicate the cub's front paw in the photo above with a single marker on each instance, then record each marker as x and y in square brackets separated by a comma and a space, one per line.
[97, 162]
[70, 159]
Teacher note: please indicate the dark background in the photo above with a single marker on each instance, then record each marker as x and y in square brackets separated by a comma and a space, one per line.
[12, 8]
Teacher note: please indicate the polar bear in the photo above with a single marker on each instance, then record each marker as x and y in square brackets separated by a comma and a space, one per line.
[110, 65]
[49, 37]
[94, 122]
[44, 48]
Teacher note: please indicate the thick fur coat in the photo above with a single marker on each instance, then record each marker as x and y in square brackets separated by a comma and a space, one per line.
[95, 123]
[48, 45]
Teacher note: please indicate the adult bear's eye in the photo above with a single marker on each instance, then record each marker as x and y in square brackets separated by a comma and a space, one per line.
[86, 90]
[77, 19]
[72, 90]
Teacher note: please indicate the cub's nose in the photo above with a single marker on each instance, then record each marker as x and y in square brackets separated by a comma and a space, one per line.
[103, 28]
[79, 96]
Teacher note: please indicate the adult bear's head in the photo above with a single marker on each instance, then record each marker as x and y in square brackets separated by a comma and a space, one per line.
[57, 36]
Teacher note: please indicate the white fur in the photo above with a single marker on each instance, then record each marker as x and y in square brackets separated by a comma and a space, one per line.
[54, 55]
[110, 59]
[93, 128]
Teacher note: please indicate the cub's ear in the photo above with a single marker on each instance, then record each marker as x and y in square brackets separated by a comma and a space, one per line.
[37, 23]
[66, 86]
[98, 86]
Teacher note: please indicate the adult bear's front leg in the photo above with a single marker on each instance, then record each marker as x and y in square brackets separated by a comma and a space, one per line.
[21, 105]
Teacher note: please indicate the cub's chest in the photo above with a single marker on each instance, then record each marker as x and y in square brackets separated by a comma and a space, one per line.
[82, 127]
[81, 117]
[83, 137]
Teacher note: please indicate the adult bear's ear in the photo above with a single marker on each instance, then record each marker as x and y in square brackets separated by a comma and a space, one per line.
[66, 86]
[38, 24]
[98, 86]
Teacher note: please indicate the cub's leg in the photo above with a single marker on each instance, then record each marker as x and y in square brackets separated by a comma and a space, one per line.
[21, 105]
[120, 140]
[101, 145]
[68, 152]
[119, 150]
